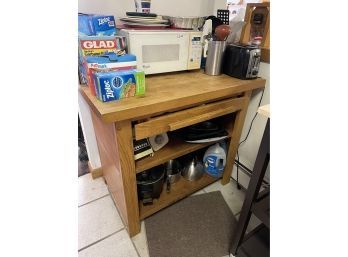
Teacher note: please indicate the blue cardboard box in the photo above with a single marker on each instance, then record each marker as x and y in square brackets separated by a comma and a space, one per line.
[96, 25]
[115, 85]
[105, 63]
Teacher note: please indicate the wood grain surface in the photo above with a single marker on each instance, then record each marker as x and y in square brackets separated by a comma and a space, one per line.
[184, 118]
[235, 132]
[109, 157]
[165, 92]
[124, 140]
[175, 148]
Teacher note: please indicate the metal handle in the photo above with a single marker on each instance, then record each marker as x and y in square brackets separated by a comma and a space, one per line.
[168, 185]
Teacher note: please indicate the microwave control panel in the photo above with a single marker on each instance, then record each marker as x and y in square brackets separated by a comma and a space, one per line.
[195, 51]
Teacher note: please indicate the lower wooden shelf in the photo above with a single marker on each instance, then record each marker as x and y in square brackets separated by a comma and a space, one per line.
[178, 191]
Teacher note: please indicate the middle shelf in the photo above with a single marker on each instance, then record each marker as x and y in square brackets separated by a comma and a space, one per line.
[175, 148]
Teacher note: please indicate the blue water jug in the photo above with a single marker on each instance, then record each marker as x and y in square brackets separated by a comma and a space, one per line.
[215, 160]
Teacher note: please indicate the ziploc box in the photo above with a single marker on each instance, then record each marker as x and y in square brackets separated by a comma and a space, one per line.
[96, 25]
[108, 62]
[115, 85]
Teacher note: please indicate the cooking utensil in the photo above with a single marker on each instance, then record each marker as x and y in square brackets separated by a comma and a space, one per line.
[205, 126]
[185, 22]
[207, 35]
[203, 132]
[150, 184]
[144, 20]
[194, 170]
[173, 170]
[222, 32]
[141, 14]
[139, 25]
[215, 21]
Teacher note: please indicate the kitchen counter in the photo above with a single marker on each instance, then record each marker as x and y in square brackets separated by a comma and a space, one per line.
[172, 101]
[172, 90]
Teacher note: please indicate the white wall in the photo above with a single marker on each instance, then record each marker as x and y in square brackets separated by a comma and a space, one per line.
[118, 8]
[88, 132]
[248, 150]
[219, 4]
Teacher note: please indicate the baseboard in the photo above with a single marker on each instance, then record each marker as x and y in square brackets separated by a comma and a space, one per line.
[96, 173]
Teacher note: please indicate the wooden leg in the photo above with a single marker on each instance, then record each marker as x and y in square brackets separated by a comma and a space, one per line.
[96, 173]
[124, 141]
[115, 146]
[237, 131]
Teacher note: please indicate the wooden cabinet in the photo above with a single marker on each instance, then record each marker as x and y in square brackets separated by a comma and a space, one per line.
[172, 101]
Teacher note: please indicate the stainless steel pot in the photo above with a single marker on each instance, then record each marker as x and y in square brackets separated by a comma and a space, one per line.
[173, 170]
[185, 22]
[194, 170]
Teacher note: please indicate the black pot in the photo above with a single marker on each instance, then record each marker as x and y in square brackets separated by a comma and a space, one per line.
[150, 184]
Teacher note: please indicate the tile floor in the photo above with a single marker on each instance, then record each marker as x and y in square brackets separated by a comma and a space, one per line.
[101, 232]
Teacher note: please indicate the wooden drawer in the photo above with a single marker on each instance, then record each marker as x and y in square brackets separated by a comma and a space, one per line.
[184, 118]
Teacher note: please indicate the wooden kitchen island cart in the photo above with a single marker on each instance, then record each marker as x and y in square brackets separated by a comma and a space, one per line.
[172, 101]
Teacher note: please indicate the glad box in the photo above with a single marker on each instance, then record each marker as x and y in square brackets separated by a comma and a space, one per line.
[94, 46]
[116, 85]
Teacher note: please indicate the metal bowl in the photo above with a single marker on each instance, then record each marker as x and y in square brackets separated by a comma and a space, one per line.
[178, 22]
[194, 170]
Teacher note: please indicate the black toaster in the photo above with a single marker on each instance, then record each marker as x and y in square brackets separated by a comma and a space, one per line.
[241, 61]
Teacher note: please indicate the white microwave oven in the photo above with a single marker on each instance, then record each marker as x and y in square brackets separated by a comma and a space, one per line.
[159, 51]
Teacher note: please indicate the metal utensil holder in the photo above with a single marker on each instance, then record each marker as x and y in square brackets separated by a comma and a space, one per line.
[214, 59]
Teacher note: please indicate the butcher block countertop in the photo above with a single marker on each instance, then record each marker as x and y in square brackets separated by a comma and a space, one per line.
[167, 92]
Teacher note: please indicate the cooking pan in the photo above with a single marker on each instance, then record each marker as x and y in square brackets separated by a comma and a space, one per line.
[173, 170]
[150, 184]
[193, 169]
[185, 22]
